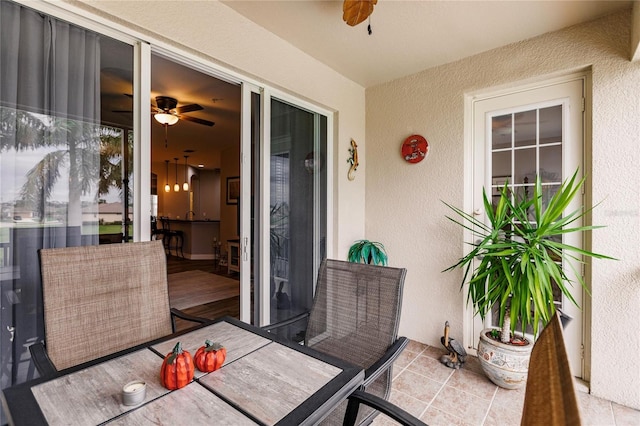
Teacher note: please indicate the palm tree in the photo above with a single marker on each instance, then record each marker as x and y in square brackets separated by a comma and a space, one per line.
[93, 154]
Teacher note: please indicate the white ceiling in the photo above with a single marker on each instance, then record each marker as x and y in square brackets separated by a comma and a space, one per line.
[410, 36]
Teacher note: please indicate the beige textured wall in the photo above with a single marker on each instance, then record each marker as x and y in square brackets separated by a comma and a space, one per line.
[218, 34]
[403, 202]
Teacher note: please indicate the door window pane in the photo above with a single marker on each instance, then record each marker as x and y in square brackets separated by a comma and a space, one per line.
[501, 131]
[525, 128]
[535, 150]
[551, 125]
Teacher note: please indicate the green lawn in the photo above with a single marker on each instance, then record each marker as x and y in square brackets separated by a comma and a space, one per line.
[111, 229]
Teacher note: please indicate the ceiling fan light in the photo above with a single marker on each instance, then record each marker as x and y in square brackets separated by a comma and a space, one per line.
[164, 118]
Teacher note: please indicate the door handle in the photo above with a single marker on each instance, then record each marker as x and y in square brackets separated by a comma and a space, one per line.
[245, 254]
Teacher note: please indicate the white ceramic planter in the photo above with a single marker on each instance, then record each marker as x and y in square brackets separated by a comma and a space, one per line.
[505, 365]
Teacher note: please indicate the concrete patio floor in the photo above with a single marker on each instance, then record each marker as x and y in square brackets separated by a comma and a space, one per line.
[442, 396]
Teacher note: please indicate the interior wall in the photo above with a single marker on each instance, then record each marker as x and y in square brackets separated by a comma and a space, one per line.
[404, 208]
[228, 212]
[210, 198]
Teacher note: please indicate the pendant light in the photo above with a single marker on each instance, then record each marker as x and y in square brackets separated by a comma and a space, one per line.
[176, 187]
[167, 188]
[185, 185]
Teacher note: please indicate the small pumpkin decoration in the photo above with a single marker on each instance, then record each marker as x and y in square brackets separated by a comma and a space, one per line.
[177, 368]
[210, 357]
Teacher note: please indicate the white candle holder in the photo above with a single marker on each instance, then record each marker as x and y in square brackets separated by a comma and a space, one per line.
[133, 393]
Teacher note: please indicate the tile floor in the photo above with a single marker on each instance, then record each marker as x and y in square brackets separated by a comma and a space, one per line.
[441, 396]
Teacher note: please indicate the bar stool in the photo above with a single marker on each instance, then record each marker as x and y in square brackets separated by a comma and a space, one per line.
[178, 238]
[169, 237]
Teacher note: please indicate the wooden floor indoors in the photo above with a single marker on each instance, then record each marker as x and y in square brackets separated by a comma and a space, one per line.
[228, 307]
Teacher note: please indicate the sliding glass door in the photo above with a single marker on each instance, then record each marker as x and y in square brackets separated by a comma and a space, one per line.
[297, 207]
[65, 160]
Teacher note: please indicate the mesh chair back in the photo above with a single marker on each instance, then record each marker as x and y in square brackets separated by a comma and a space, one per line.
[102, 299]
[355, 317]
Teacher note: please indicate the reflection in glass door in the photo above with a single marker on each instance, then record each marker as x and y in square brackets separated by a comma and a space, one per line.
[65, 160]
[297, 207]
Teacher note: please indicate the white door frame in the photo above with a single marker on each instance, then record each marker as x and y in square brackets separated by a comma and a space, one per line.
[475, 171]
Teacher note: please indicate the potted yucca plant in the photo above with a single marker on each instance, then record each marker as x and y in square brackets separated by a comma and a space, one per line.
[518, 259]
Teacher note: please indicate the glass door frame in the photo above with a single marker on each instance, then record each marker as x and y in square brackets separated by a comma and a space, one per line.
[144, 46]
[575, 154]
[263, 298]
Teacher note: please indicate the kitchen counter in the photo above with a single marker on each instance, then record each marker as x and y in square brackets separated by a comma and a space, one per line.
[199, 235]
[192, 221]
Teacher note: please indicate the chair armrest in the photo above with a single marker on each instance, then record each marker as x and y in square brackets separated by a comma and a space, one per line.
[41, 360]
[178, 313]
[385, 407]
[288, 321]
[385, 362]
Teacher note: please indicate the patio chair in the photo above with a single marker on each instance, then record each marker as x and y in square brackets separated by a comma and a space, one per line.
[550, 396]
[99, 300]
[354, 317]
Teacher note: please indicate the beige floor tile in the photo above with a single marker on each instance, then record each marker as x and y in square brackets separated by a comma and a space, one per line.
[595, 411]
[416, 385]
[469, 398]
[472, 383]
[461, 404]
[435, 352]
[382, 420]
[473, 364]
[408, 403]
[502, 417]
[435, 417]
[511, 399]
[405, 358]
[431, 368]
[625, 416]
[415, 347]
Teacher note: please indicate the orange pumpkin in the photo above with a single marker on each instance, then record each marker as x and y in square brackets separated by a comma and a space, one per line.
[177, 368]
[210, 357]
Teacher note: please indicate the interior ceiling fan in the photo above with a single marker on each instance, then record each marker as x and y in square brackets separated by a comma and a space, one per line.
[166, 111]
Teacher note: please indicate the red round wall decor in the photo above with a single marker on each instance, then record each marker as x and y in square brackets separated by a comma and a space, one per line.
[415, 148]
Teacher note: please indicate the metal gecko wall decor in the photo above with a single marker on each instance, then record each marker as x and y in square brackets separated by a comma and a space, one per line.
[353, 160]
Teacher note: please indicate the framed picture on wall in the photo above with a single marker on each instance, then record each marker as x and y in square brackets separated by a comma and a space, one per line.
[233, 190]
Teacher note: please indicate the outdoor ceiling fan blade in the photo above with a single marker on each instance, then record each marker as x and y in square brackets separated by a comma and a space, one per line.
[356, 11]
[188, 108]
[197, 120]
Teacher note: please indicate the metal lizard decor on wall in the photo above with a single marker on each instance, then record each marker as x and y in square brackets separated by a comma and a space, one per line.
[353, 160]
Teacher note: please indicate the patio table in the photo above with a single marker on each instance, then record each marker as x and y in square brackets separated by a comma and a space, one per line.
[264, 380]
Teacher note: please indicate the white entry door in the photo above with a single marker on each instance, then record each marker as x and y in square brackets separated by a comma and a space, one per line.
[536, 131]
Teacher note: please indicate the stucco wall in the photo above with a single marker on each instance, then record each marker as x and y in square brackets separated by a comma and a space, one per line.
[220, 35]
[403, 202]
